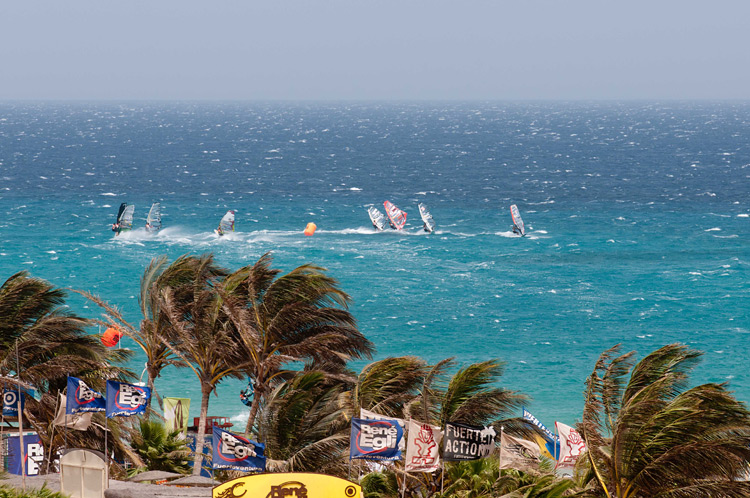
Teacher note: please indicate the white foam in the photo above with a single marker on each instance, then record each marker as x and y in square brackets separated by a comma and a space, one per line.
[715, 229]
[110, 194]
[743, 215]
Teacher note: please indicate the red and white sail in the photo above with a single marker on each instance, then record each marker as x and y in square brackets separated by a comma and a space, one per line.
[395, 215]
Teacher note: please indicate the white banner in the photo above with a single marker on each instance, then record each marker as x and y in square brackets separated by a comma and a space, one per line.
[518, 453]
[423, 447]
[571, 446]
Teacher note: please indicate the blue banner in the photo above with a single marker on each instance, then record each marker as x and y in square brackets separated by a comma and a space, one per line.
[81, 398]
[553, 441]
[10, 402]
[376, 439]
[233, 452]
[33, 454]
[124, 400]
[206, 465]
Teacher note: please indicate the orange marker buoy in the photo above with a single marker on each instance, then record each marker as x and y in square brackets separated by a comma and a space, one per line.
[310, 229]
[111, 337]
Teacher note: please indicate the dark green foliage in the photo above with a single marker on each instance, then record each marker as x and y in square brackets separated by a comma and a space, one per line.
[161, 449]
[43, 492]
[380, 485]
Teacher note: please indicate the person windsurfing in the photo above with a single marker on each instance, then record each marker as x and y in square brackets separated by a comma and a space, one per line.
[116, 225]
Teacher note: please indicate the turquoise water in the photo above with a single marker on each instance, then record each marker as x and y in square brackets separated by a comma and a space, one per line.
[637, 218]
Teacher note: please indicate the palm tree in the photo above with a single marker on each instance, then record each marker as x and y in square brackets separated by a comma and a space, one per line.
[52, 342]
[470, 396]
[203, 338]
[650, 436]
[158, 276]
[160, 448]
[303, 426]
[297, 318]
[386, 386]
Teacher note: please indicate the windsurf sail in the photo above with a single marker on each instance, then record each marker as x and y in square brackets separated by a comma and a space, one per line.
[429, 223]
[226, 224]
[377, 218]
[124, 218]
[396, 217]
[153, 220]
[517, 221]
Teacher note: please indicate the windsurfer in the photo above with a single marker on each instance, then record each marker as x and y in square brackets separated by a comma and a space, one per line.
[116, 227]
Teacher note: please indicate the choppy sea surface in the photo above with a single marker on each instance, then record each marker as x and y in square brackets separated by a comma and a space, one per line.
[637, 217]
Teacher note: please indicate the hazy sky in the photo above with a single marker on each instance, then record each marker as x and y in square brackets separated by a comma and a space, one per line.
[378, 49]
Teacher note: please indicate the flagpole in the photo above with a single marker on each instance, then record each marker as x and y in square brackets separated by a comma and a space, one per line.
[442, 477]
[106, 453]
[20, 421]
[500, 457]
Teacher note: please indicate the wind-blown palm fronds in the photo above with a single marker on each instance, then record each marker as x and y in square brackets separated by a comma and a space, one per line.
[160, 448]
[178, 276]
[300, 317]
[302, 426]
[386, 386]
[651, 436]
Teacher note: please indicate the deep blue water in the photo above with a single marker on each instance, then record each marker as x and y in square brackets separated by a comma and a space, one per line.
[637, 215]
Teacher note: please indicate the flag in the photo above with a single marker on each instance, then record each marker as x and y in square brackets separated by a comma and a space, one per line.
[176, 411]
[124, 400]
[571, 446]
[467, 442]
[518, 453]
[422, 447]
[233, 452]
[375, 439]
[79, 421]
[368, 415]
[11, 402]
[552, 440]
[81, 398]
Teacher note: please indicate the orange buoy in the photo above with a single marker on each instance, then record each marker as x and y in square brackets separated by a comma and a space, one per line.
[310, 229]
[111, 337]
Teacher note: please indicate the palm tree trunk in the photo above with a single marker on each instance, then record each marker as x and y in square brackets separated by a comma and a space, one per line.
[253, 412]
[200, 438]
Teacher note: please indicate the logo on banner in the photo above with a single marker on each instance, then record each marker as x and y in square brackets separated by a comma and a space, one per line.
[234, 448]
[425, 441]
[291, 488]
[10, 403]
[124, 400]
[81, 398]
[468, 442]
[236, 453]
[375, 439]
[575, 446]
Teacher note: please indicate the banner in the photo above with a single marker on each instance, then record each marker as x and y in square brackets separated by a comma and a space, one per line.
[288, 485]
[11, 401]
[571, 446]
[176, 411]
[233, 452]
[83, 399]
[368, 415]
[375, 439]
[79, 421]
[553, 441]
[207, 464]
[124, 400]
[467, 442]
[33, 453]
[518, 453]
[422, 447]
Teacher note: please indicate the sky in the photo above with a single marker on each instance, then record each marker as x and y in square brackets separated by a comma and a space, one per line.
[374, 50]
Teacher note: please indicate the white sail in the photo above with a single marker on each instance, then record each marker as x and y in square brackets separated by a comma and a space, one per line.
[377, 218]
[153, 220]
[429, 223]
[517, 221]
[126, 218]
[226, 224]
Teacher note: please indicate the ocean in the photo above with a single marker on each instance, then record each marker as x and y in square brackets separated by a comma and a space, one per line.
[637, 217]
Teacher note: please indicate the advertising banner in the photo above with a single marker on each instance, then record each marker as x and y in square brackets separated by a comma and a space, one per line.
[233, 452]
[33, 453]
[289, 485]
[376, 439]
[124, 400]
[467, 442]
[422, 447]
[81, 398]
